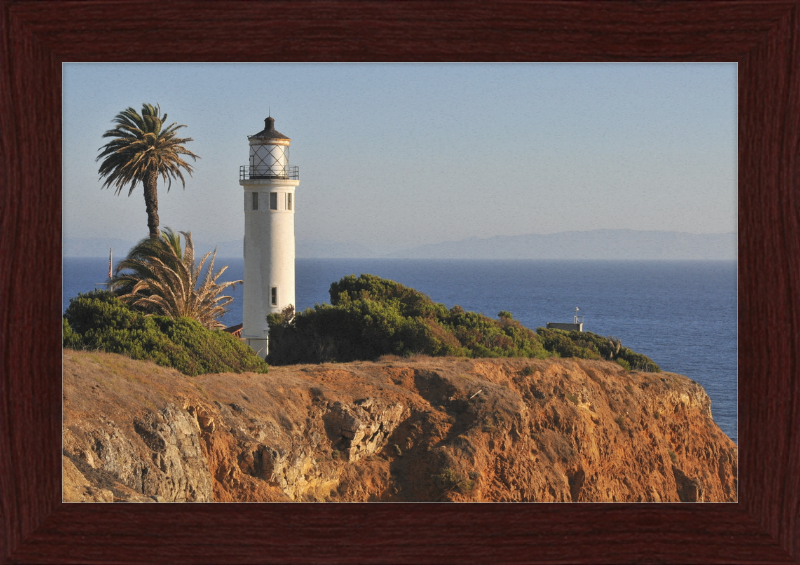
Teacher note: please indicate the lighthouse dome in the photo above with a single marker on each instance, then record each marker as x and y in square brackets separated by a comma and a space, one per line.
[269, 131]
[269, 154]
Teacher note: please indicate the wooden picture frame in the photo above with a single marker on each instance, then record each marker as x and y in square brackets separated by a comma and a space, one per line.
[763, 37]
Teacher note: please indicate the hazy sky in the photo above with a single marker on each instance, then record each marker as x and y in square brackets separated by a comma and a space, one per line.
[399, 155]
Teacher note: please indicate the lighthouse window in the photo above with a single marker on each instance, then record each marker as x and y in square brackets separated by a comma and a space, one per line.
[255, 201]
[273, 200]
[274, 295]
[288, 200]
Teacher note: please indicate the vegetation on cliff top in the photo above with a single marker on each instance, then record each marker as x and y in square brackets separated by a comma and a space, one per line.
[587, 345]
[370, 316]
[99, 320]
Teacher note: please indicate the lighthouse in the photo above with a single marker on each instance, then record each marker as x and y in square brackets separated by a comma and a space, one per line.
[269, 185]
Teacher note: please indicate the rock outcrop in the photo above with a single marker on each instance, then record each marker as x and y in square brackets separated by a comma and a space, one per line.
[420, 429]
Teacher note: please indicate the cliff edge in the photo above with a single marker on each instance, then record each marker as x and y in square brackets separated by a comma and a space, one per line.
[419, 429]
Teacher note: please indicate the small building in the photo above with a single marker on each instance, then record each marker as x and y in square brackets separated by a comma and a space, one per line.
[235, 331]
[575, 326]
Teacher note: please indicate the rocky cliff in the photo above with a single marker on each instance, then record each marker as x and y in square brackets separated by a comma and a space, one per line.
[420, 429]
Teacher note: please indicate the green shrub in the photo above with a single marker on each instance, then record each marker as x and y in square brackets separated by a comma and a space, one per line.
[639, 362]
[572, 398]
[99, 321]
[70, 339]
[369, 317]
[568, 343]
[672, 456]
[587, 345]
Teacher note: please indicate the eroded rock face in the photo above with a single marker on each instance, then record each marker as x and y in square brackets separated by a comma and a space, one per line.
[77, 488]
[179, 470]
[162, 460]
[397, 430]
[361, 428]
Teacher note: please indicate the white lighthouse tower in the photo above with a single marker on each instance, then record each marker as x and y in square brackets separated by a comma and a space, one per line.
[269, 205]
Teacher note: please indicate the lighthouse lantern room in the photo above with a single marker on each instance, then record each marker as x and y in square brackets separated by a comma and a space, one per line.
[269, 185]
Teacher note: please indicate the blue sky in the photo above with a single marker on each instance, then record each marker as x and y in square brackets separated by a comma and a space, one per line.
[399, 155]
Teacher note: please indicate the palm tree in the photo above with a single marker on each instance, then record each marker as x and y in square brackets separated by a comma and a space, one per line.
[139, 261]
[142, 149]
[166, 280]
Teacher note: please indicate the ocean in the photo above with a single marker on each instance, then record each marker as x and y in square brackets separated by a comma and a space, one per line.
[681, 314]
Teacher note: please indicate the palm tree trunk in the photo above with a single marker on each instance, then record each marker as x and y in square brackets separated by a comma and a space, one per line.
[151, 203]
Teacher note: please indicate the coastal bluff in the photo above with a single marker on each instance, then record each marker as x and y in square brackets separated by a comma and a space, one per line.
[396, 429]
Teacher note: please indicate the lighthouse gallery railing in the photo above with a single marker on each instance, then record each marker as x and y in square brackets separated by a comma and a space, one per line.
[247, 172]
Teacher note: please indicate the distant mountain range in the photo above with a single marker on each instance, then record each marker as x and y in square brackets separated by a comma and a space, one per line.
[574, 245]
[585, 245]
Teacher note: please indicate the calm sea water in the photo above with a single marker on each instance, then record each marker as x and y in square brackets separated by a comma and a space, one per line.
[681, 314]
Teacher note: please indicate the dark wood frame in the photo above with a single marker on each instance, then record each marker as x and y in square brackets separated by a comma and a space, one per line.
[762, 37]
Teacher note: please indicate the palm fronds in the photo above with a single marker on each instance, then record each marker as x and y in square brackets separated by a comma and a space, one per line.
[165, 279]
